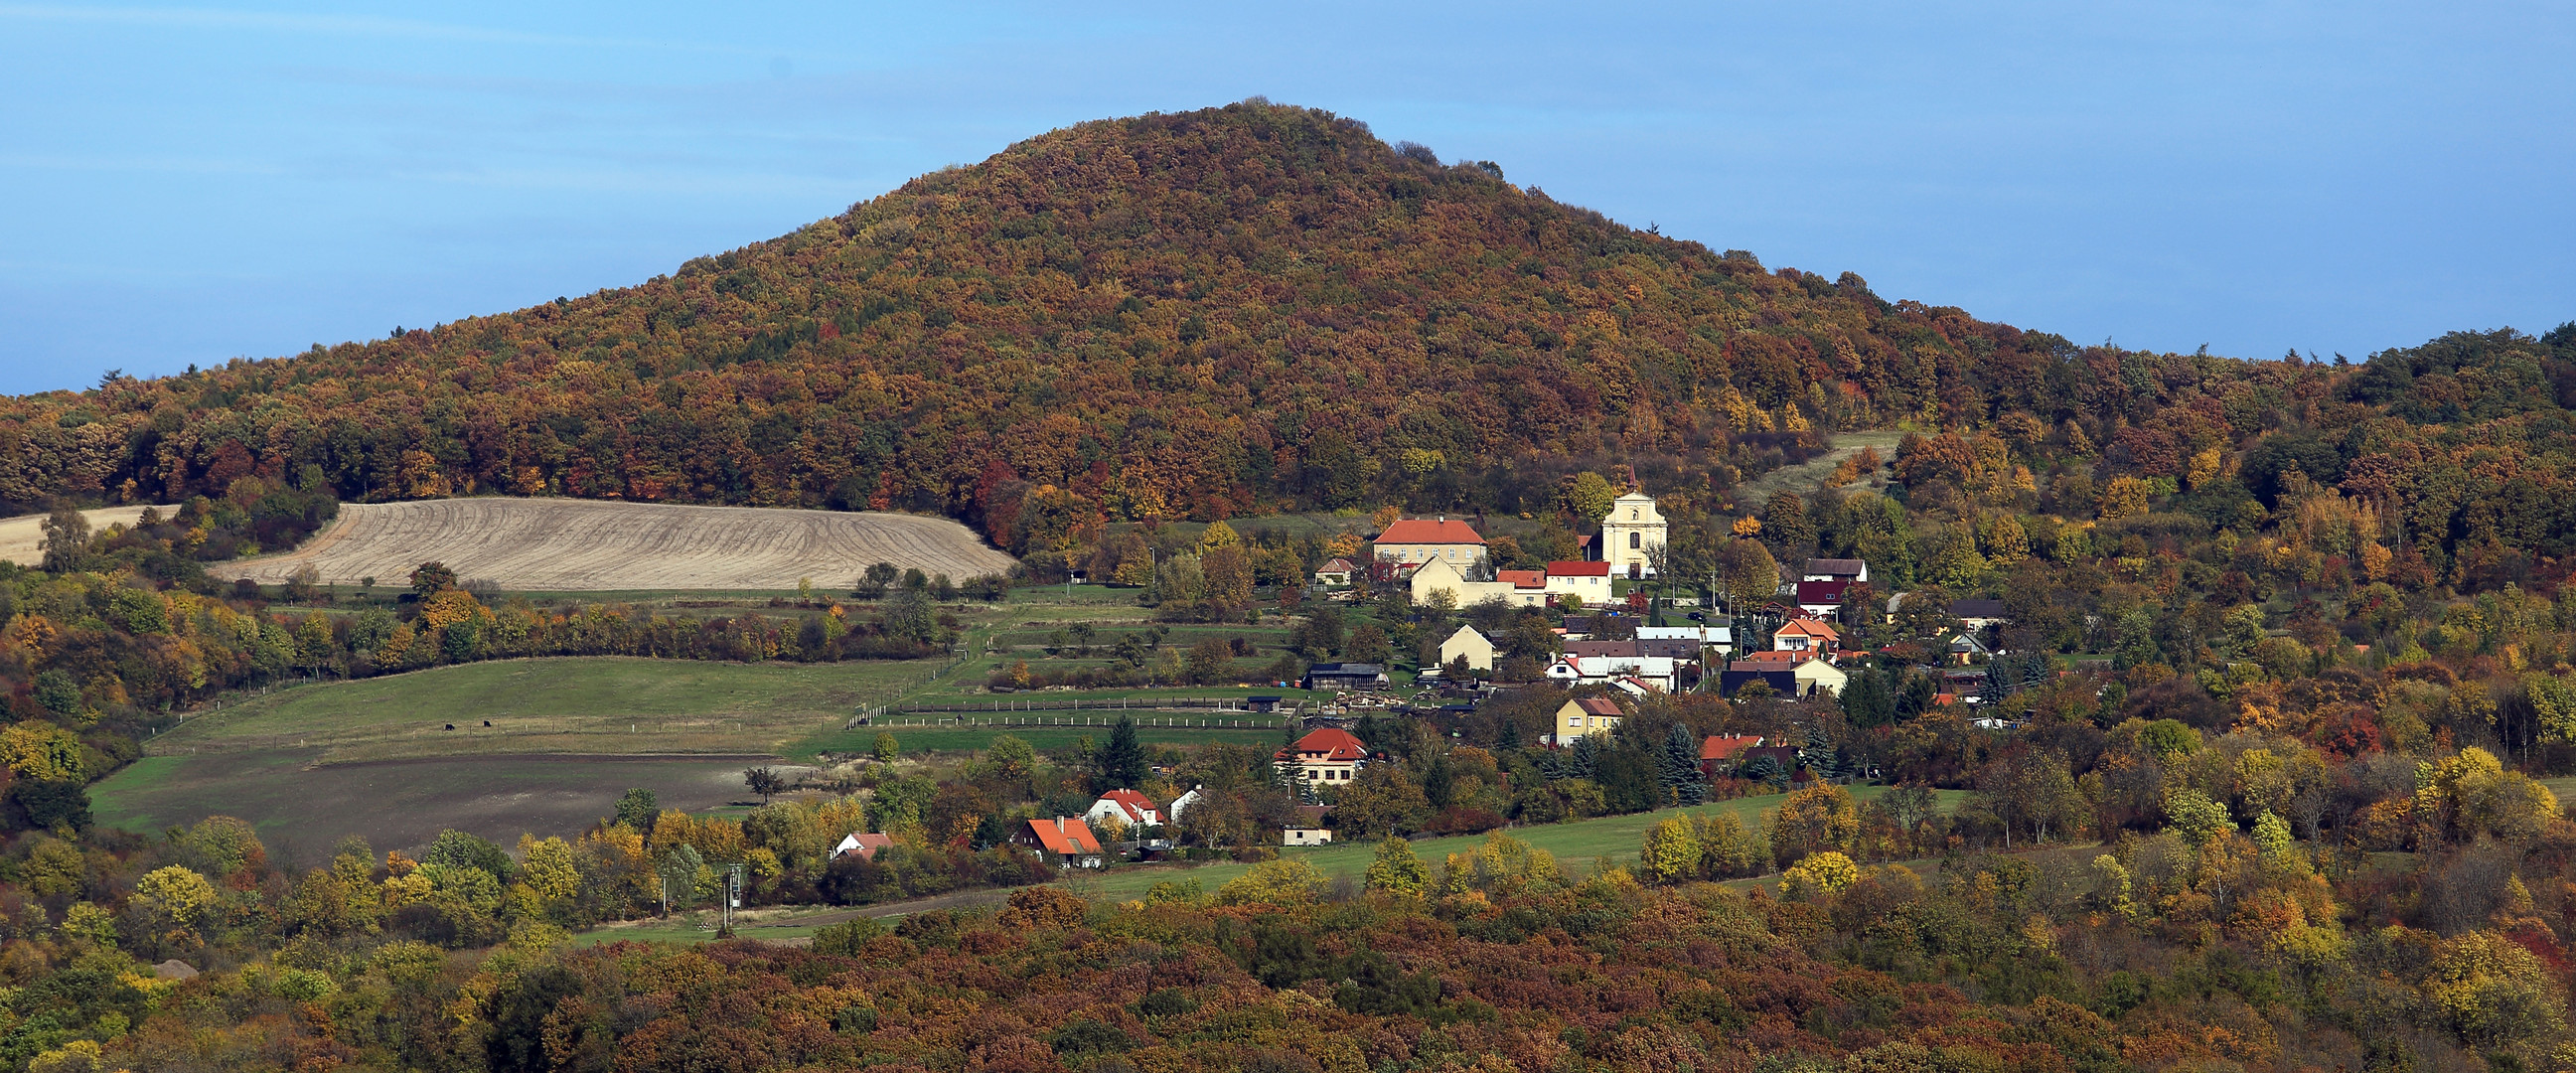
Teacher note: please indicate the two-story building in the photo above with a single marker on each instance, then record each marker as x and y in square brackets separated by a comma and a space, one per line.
[1329, 756]
[1421, 540]
[1585, 716]
[1588, 581]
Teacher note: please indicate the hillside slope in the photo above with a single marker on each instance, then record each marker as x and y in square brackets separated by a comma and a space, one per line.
[1201, 314]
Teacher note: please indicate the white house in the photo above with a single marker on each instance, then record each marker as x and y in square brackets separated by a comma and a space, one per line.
[1654, 671]
[864, 844]
[1589, 581]
[1132, 809]
[1721, 638]
[1173, 814]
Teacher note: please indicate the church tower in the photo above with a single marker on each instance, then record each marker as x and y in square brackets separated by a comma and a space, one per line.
[1632, 527]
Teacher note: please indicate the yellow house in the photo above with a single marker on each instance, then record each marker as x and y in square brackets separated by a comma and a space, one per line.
[1423, 540]
[1435, 575]
[1470, 644]
[1633, 528]
[1586, 716]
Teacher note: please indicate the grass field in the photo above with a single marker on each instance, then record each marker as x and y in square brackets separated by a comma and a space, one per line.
[302, 810]
[913, 740]
[1576, 845]
[589, 706]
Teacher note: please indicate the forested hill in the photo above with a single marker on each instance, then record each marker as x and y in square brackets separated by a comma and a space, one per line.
[1202, 314]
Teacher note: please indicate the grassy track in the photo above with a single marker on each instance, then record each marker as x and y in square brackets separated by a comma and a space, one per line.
[1576, 845]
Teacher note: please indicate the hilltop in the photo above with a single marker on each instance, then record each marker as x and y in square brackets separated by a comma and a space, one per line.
[1235, 310]
[1302, 305]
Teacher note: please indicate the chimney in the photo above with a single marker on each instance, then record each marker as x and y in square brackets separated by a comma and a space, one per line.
[1059, 825]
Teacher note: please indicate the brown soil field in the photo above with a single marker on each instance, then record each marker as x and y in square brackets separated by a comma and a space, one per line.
[22, 538]
[574, 545]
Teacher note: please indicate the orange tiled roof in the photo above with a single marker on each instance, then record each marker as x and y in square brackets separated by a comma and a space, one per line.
[1428, 531]
[1065, 835]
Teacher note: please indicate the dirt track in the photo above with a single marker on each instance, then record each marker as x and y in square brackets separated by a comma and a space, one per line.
[573, 545]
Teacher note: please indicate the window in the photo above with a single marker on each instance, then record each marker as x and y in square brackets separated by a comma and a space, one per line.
[1636, 540]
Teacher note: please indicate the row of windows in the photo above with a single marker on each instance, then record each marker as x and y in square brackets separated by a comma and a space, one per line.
[1330, 774]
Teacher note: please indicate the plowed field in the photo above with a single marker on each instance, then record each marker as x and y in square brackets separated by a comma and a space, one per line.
[572, 545]
[22, 539]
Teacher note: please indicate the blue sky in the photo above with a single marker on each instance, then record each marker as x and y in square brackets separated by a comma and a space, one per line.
[191, 184]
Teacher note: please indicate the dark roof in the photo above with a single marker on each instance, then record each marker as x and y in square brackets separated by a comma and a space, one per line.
[1346, 668]
[1602, 648]
[1600, 706]
[1784, 755]
[1976, 609]
[1822, 592]
[1676, 648]
[1784, 683]
[1836, 566]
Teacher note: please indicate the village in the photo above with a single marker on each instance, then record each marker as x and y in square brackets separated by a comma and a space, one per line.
[1608, 642]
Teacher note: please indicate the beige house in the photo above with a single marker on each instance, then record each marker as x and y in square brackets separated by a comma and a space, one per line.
[1633, 528]
[1817, 674]
[1586, 716]
[1435, 575]
[1470, 645]
[1423, 540]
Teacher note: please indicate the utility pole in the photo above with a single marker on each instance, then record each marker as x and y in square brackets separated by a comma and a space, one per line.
[732, 901]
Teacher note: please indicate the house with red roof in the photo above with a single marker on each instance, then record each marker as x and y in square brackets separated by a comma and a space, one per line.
[864, 844]
[1806, 635]
[1129, 807]
[1720, 751]
[1336, 571]
[1329, 756]
[1585, 716]
[1422, 540]
[1589, 581]
[1064, 841]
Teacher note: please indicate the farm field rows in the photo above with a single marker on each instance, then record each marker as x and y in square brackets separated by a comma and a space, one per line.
[570, 545]
[22, 539]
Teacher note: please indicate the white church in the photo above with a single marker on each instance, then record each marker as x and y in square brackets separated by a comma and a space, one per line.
[1633, 527]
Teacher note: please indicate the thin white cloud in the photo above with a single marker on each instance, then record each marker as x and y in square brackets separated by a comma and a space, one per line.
[341, 25]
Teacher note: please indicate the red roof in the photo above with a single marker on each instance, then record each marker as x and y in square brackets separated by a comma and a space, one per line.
[1065, 835]
[1523, 579]
[1329, 743]
[1725, 746]
[868, 845]
[1578, 568]
[1769, 660]
[1600, 706]
[1809, 627]
[1822, 592]
[1137, 806]
[1428, 531]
